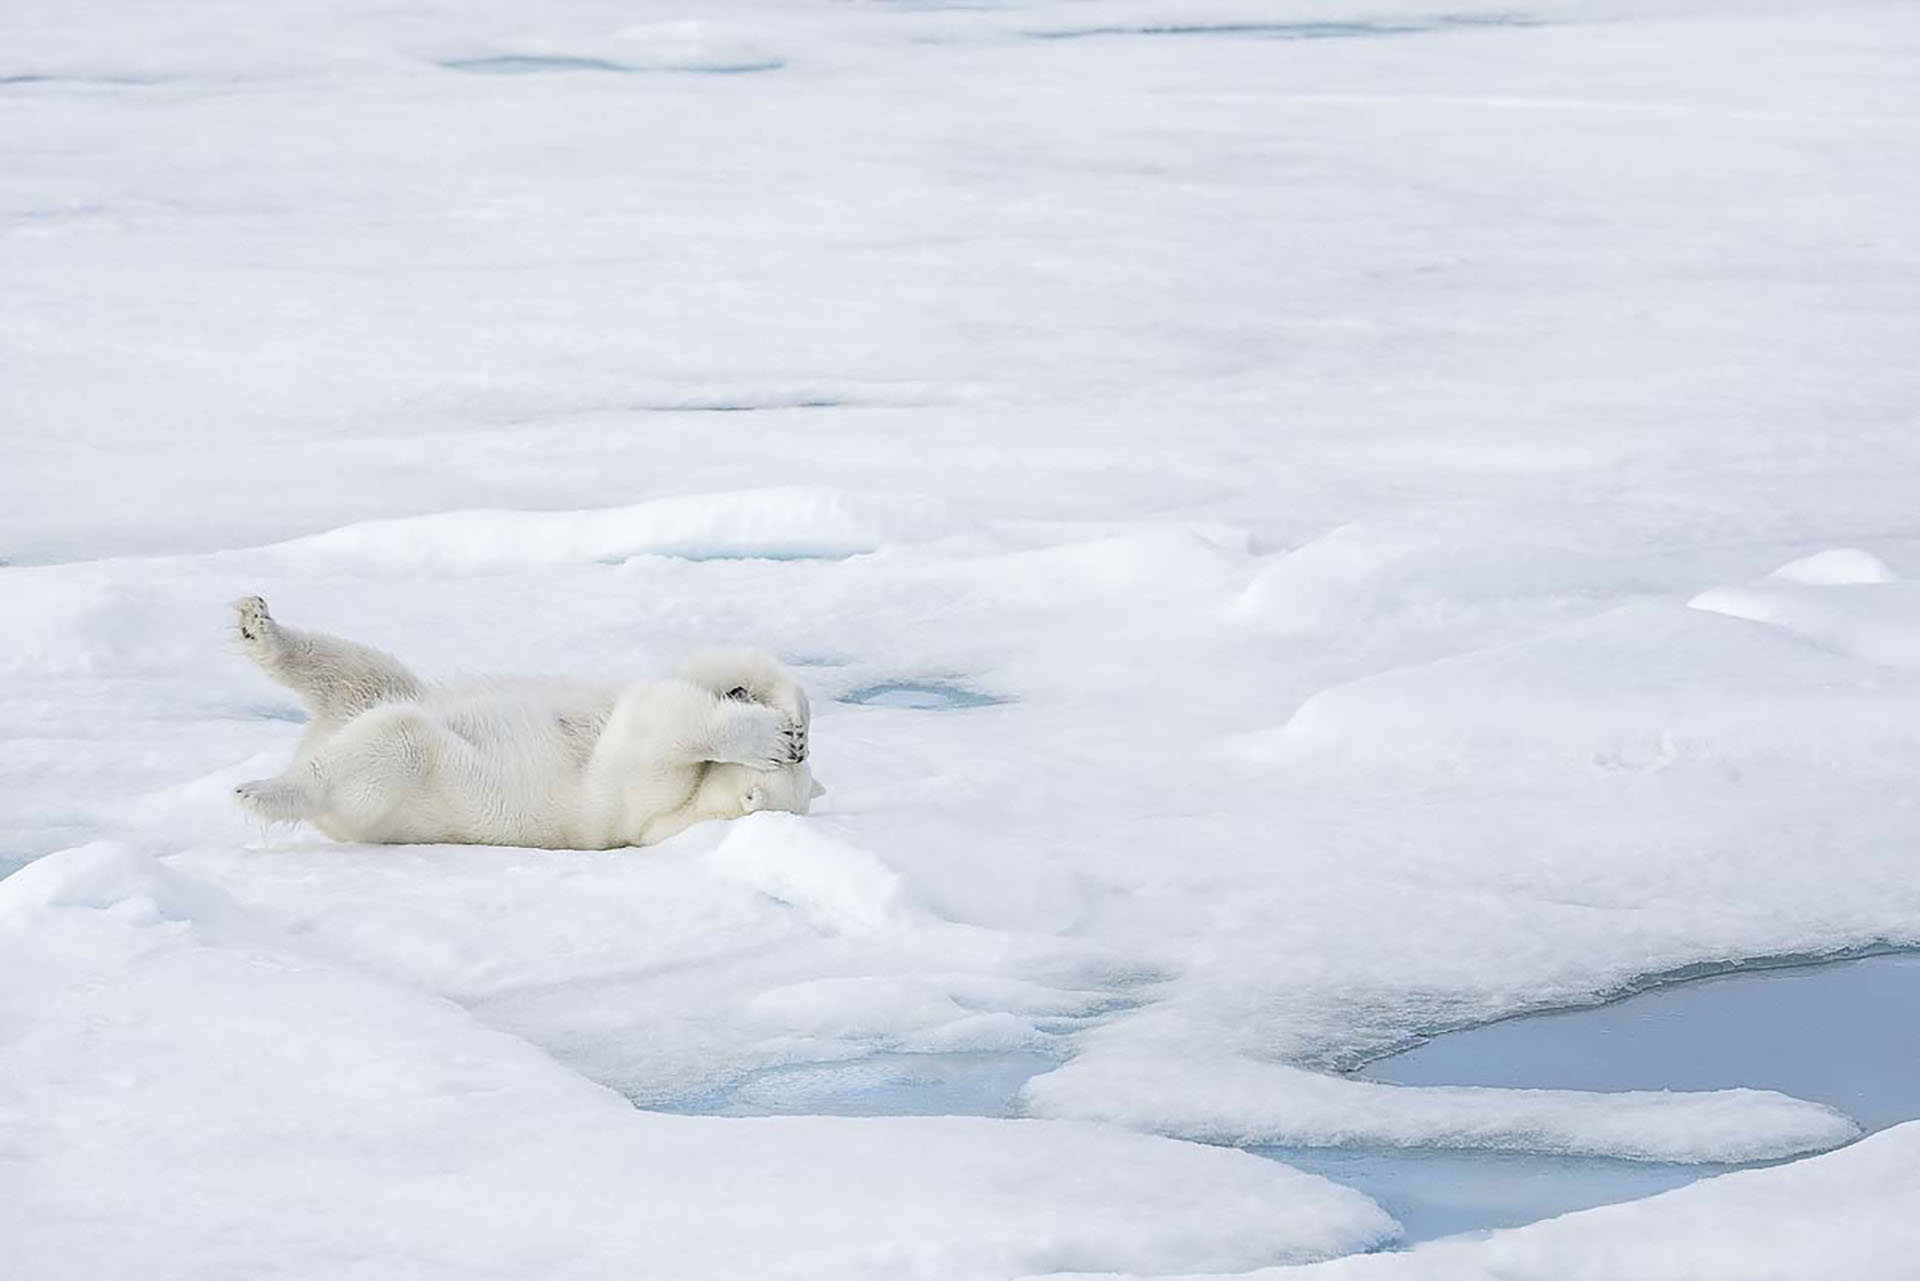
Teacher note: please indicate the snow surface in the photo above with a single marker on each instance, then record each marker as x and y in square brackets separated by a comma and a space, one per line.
[1432, 491]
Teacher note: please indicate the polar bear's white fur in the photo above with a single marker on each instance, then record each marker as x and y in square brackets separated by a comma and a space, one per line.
[547, 763]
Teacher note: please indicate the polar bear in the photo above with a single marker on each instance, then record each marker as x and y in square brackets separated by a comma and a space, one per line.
[548, 763]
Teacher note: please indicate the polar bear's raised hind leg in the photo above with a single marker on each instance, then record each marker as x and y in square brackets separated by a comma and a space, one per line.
[336, 679]
[371, 781]
[277, 800]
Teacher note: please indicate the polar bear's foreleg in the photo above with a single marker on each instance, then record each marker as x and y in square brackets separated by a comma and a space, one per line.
[747, 676]
[646, 770]
[336, 679]
[677, 723]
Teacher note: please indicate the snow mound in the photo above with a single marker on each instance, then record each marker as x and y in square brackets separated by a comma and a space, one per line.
[110, 877]
[1642, 687]
[1839, 567]
[1836, 600]
[86, 624]
[1243, 1102]
[1116, 566]
[1360, 573]
[772, 524]
[693, 44]
[835, 885]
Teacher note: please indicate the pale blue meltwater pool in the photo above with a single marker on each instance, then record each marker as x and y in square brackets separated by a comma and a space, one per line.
[923, 696]
[1844, 1033]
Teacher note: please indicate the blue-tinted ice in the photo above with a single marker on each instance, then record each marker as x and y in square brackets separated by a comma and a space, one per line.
[1846, 1033]
[886, 1085]
[528, 64]
[920, 695]
[1309, 29]
[1436, 1193]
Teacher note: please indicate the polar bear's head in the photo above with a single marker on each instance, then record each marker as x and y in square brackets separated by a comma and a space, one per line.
[750, 676]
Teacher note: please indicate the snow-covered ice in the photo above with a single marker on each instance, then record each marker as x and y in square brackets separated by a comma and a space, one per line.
[294, 1116]
[1429, 495]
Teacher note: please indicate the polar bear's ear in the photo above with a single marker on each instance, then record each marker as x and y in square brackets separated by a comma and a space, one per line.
[819, 790]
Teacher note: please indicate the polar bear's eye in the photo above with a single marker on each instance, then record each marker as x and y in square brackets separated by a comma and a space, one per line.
[739, 694]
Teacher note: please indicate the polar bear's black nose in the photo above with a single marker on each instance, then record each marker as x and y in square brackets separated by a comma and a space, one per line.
[739, 694]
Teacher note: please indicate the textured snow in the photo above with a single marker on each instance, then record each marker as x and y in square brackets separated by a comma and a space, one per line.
[1429, 493]
[1273, 1103]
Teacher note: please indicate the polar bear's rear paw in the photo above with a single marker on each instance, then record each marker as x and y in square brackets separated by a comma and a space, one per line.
[259, 634]
[274, 800]
[760, 737]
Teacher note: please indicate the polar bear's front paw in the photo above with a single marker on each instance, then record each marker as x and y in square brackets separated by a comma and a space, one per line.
[259, 634]
[761, 738]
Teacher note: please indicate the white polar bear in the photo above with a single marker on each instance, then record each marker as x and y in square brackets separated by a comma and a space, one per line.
[547, 763]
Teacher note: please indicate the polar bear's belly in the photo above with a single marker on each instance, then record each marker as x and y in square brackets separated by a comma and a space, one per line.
[506, 771]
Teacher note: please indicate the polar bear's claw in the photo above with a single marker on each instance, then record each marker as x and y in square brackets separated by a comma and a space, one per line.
[759, 737]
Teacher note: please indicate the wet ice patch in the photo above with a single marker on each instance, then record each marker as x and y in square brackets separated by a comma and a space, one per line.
[809, 659]
[1436, 1193]
[690, 46]
[958, 1084]
[1357, 29]
[746, 405]
[287, 712]
[530, 64]
[924, 696]
[741, 552]
[110, 80]
[1731, 1053]
[527, 64]
[1842, 1033]
[760, 524]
